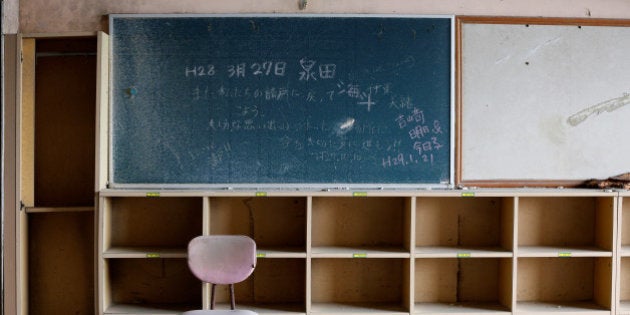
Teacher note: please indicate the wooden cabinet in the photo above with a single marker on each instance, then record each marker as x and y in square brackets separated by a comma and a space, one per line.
[397, 252]
[464, 249]
[56, 218]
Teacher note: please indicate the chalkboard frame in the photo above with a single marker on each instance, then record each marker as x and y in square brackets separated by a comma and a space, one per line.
[461, 101]
[297, 186]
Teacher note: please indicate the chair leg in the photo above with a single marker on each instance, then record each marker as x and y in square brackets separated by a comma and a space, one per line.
[232, 296]
[212, 296]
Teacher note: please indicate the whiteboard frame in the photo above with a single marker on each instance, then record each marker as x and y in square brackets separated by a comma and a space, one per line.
[297, 186]
[460, 21]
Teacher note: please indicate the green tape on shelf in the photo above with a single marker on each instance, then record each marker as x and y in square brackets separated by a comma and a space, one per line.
[464, 255]
[153, 194]
[359, 255]
[153, 255]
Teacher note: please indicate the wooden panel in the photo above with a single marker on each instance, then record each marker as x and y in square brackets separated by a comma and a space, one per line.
[102, 112]
[359, 222]
[459, 222]
[12, 271]
[605, 223]
[507, 283]
[272, 222]
[280, 281]
[464, 281]
[276, 284]
[556, 221]
[508, 223]
[27, 123]
[64, 130]
[61, 263]
[165, 282]
[624, 277]
[357, 281]
[603, 284]
[625, 221]
[555, 279]
[146, 222]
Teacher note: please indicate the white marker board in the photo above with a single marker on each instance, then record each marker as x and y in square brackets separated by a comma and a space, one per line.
[543, 102]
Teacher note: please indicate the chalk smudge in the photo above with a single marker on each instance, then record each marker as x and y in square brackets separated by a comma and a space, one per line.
[605, 106]
[346, 126]
[537, 48]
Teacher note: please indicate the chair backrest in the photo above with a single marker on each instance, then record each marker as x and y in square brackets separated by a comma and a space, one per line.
[222, 259]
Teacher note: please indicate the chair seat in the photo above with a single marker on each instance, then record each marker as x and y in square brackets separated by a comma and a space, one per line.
[220, 312]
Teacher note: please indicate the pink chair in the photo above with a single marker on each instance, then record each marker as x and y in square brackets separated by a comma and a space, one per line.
[224, 260]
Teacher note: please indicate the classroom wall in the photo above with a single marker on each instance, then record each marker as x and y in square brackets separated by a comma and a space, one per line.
[37, 16]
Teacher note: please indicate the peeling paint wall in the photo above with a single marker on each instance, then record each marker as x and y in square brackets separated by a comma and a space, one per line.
[49, 16]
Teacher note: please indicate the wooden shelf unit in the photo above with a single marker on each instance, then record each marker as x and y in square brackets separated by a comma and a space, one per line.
[398, 252]
[56, 155]
[622, 265]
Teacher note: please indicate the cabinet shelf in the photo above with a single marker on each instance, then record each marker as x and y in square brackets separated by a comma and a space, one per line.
[150, 286]
[357, 308]
[343, 224]
[482, 224]
[169, 222]
[143, 309]
[624, 284]
[58, 209]
[358, 252]
[460, 308]
[586, 308]
[267, 308]
[566, 222]
[564, 284]
[348, 285]
[277, 224]
[569, 251]
[624, 307]
[280, 252]
[453, 286]
[145, 252]
[461, 252]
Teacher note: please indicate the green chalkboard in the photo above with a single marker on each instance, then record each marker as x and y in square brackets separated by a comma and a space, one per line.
[248, 100]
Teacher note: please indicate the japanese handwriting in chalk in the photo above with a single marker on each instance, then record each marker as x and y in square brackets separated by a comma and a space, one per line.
[309, 71]
[422, 133]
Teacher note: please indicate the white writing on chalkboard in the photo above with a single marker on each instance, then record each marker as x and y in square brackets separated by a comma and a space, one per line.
[309, 70]
[239, 70]
[423, 136]
[200, 71]
[252, 103]
[308, 73]
[363, 96]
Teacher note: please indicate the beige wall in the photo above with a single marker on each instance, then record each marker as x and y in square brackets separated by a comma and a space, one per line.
[38, 16]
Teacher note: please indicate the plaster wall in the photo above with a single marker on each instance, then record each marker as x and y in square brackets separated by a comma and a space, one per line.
[51, 16]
